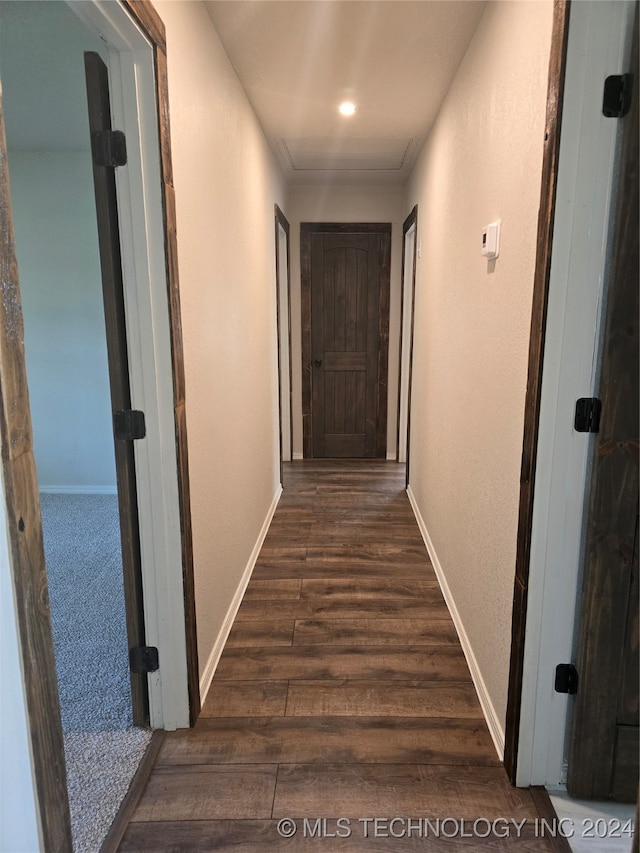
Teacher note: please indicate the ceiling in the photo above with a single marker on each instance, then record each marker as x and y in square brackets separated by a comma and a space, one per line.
[299, 59]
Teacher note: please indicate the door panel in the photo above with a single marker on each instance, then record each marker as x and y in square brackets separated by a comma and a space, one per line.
[283, 305]
[409, 256]
[117, 353]
[603, 761]
[628, 707]
[349, 322]
[624, 781]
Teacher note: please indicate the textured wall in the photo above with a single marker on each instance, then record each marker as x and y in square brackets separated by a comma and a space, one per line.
[45, 101]
[65, 343]
[226, 186]
[481, 161]
[346, 204]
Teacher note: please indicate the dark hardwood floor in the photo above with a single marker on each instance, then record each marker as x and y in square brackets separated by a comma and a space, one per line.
[342, 693]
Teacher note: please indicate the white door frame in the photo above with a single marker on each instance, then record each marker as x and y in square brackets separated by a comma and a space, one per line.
[142, 236]
[599, 45]
[283, 279]
[409, 239]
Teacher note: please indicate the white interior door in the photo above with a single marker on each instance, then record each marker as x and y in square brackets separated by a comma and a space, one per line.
[285, 339]
[405, 355]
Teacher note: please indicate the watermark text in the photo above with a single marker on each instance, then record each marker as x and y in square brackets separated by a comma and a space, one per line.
[450, 827]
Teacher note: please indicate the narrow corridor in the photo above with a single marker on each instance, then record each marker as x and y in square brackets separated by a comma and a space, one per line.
[342, 692]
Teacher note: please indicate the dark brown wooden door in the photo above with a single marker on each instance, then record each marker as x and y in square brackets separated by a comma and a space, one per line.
[117, 352]
[349, 341]
[603, 761]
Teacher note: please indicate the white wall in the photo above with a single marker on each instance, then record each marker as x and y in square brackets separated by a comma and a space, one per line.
[41, 62]
[334, 203]
[481, 161]
[226, 185]
[57, 250]
[19, 818]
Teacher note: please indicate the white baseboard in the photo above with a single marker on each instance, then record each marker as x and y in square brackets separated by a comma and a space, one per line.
[78, 490]
[493, 721]
[391, 456]
[221, 639]
[297, 455]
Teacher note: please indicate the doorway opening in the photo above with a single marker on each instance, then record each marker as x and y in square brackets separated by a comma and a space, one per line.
[132, 39]
[49, 155]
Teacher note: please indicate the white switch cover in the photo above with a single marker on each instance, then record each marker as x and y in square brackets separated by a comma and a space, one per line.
[491, 240]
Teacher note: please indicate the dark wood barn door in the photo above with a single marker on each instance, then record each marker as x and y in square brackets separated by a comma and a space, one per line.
[347, 347]
[118, 360]
[603, 761]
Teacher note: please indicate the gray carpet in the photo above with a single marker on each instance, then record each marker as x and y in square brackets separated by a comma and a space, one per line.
[95, 796]
[102, 749]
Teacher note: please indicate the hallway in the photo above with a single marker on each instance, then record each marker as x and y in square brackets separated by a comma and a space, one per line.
[342, 693]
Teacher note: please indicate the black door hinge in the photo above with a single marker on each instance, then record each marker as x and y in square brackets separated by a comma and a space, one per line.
[129, 425]
[587, 418]
[109, 148]
[616, 101]
[566, 679]
[143, 659]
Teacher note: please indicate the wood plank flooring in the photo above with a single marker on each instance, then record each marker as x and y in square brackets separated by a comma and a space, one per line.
[342, 693]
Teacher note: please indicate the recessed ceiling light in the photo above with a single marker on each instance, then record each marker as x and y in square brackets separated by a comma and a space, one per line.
[347, 108]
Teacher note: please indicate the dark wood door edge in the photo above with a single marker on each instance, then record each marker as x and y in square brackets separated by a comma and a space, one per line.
[412, 219]
[555, 91]
[132, 797]
[307, 229]
[540, 796]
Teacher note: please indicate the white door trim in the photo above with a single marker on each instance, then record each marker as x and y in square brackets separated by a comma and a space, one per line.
[599, 43]
[409, 268]
[140, 209]
[284, 329]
